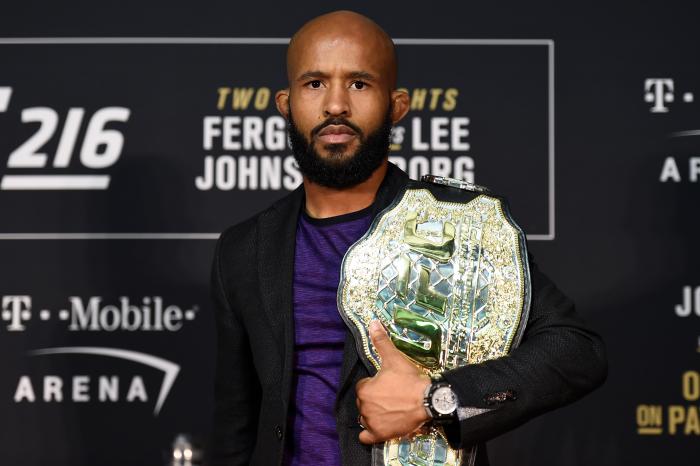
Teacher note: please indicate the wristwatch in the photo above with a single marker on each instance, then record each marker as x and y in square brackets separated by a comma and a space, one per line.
[440, 402]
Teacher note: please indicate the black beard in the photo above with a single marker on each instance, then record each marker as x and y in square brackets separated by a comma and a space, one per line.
[341, 170]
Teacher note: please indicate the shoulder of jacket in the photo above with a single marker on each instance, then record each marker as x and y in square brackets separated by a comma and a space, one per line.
[245, 231]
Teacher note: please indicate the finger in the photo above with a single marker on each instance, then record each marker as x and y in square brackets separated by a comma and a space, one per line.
[382, 343]
[360, 383]
[367, 438]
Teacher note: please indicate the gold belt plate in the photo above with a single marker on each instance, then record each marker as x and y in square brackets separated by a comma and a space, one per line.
[450, 282]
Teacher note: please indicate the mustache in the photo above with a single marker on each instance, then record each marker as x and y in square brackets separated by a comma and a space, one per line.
[336, 121]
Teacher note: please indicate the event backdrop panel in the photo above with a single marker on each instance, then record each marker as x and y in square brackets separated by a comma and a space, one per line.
[149, 138]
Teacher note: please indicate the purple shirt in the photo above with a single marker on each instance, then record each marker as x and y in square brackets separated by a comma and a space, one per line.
[319, 335]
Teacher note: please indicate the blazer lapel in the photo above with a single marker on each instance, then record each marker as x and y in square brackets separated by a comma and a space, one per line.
[276, 245]
[350, 360]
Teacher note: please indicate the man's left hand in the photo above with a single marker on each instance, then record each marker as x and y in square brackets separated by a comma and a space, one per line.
[391, 402]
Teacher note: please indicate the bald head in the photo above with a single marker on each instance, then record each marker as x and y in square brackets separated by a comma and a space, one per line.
[342, 101]
[342, 30]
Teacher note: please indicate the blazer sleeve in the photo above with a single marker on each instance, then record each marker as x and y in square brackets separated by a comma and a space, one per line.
[236, 385]
[558, 361]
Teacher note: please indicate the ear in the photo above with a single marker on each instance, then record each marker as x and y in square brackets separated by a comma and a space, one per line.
[282, 102]
[400, 101]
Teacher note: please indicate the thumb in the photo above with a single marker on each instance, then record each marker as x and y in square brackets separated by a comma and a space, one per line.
[382, 343]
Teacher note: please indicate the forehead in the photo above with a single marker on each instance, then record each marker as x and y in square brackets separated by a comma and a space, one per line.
[336, 53]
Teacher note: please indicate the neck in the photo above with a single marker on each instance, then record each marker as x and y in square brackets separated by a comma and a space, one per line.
[323, 202]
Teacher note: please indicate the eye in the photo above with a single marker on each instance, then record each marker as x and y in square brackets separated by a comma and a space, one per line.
[359, 84]
[315, 84]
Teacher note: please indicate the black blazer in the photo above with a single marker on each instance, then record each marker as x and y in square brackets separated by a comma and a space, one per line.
[558, 361]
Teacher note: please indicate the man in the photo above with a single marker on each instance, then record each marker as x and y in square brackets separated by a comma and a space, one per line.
[289, 385]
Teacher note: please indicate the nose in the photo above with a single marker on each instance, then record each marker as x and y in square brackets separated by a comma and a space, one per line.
[337, 102]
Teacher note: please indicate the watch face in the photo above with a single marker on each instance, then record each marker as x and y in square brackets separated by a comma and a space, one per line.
[444, 400]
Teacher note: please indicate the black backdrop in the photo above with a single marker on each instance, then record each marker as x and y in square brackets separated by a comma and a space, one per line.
[585, 115]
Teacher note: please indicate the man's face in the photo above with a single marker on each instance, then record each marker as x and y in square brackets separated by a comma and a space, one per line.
[341, 168]
[339, 108]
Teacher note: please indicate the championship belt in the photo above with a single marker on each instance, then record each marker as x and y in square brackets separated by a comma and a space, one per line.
[445, 269]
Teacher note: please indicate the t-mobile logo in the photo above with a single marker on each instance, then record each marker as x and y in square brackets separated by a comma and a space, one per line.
[16, 310]
[660, 92]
